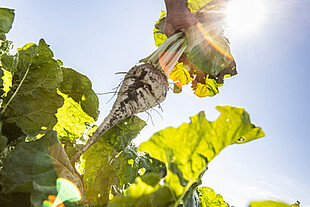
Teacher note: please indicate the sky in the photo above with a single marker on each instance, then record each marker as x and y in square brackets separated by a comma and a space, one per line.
[100, 38]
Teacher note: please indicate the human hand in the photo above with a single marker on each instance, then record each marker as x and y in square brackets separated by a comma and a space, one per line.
[179, 17]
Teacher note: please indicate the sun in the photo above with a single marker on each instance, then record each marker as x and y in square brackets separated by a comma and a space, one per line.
[245, 16]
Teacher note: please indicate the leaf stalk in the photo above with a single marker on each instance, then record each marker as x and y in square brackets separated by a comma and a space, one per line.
[17, 89]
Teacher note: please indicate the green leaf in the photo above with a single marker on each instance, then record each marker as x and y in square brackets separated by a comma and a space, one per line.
[208, 57]
[41, 193]
[99, 174]
[79, 88]
[208, 198]
[187, 150]
[141, 194]
[33, 101]
[5, 46]
[269, 204]
[72, 121]
[15, 199]
[42, 161]
[22, 165]
[211, 54]
[3, 139]
[136, 164]
[9, 62]
[121, 135]
[35, 166]
[6, 20]
[104, 164]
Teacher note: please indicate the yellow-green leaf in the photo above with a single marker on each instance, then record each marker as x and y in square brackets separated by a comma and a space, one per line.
[187, 150]
[194, 5]
[141, 194]
[210, 88]
[72, 120]
[269, 204]
[208, 198]
[6, 82]
[79, 88]
[105, 166]
[99, 173]
[158, 32]
[180, 74]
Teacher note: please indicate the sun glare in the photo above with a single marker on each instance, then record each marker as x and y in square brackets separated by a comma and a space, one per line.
[245, 16]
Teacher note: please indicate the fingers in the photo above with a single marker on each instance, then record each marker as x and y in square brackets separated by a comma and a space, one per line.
[170, 30]
[179, 21]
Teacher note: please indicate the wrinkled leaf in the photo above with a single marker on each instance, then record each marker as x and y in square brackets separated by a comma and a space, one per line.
[6, 20]
[112, 163]
[106, 171]
[121, 135]
[269, 204]
[9, 62]
[5, 46]
[158, 32]
[29, 162]
[203, 140]
[35, 166]
[79, 88]
[141, 194]
[33, 101]
[72, 121]
[208, 54]
[135, 164]
[180, 74]
[99, 174]
[103, 164]
[209, 88]
[208, 198]
[41, 161]
[6, 82]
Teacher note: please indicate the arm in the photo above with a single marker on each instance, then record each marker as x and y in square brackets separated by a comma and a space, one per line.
[179, 17]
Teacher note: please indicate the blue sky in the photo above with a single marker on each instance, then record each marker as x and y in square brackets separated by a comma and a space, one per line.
[100, 38]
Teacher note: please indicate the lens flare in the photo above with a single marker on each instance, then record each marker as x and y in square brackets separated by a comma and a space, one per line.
[67, 191]
[212, 41]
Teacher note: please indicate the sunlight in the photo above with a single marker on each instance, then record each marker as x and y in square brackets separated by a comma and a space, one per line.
[245, 16]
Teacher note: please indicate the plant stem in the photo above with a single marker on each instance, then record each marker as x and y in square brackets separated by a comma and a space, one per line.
[183, 194]
[166, 56]
[17, 89]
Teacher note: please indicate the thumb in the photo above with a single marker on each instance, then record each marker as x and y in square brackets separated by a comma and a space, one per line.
[168, 29]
